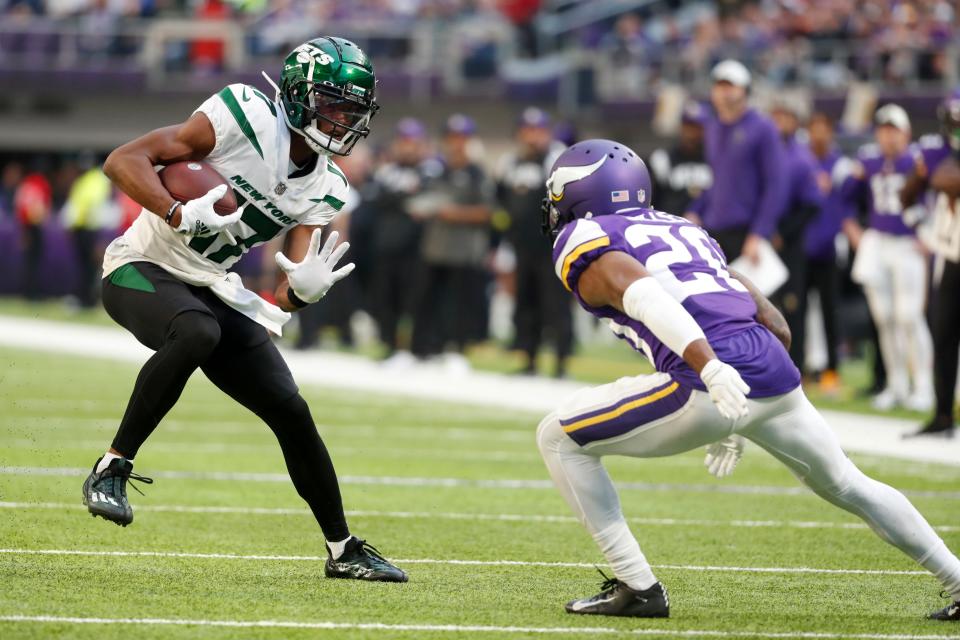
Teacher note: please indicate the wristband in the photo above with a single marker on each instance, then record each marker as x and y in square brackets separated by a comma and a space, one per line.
[294, 299]
[173, 209]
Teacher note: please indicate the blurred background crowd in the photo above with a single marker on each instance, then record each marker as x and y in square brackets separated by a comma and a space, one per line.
[478, 98]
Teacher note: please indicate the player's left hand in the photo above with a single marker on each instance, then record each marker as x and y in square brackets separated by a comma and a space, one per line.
[722, 457]
[727, 389]
[311, 278]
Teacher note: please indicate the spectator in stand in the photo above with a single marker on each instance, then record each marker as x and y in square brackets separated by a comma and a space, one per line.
[207, 55]
[890, 263]
[451, 308]
[522, 14]
[285, 25]
[10, 177]
[745, 153]
[32, 203]
[681, 174]
[820, 243]
[86, 212]
[541, 303]
[395, 240]
[803, 201]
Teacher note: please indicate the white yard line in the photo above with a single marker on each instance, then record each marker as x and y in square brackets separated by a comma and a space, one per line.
[471, 563]
[867, 434]
[455, 628]
[486, 517]
[416, 481]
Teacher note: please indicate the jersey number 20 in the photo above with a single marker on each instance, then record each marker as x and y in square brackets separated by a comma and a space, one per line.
[687, 266]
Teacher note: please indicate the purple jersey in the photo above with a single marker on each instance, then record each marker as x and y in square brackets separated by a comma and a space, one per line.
[880, 187]
[822, 231]
[934, 150]
[689, 264]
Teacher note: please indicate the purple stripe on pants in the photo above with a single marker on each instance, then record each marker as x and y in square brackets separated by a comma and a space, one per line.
[631, 419]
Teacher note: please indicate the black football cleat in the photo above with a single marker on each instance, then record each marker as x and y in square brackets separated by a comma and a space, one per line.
[950, 613]
[938, 427]
[361, 561]
[617, 599]
[105, 493]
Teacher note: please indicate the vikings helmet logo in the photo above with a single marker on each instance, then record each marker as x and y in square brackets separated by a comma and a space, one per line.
[565, 175]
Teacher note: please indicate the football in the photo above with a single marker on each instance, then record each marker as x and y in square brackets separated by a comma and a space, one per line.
[189, 180]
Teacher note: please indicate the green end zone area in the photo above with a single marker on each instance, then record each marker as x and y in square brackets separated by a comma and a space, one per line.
[222, 536]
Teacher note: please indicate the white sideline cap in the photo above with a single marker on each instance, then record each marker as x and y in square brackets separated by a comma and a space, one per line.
[731, 71]
[893, 115]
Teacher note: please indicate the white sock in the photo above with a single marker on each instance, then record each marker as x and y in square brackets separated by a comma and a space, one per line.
[946, 567]
[336, 548]
[622, 552]
[105, 461]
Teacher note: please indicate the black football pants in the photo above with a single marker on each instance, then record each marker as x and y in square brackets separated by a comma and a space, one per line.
[189, 327]
[946, 339]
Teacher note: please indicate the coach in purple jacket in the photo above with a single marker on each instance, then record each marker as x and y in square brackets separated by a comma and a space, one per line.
[746, 154]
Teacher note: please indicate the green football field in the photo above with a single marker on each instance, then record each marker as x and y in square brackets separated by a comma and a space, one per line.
[222, 547]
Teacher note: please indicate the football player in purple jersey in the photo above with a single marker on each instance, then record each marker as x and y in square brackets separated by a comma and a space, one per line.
[723, 376]
[890, 263]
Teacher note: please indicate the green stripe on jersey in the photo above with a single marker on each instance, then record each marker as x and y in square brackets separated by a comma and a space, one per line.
[129, 277]
[269, 104]
[335, 170]
[336, 203]
[231, 101]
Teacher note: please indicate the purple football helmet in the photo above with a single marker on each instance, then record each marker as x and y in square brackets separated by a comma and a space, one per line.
[594, 178]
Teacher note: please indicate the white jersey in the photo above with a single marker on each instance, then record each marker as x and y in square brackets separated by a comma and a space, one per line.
[252, 151]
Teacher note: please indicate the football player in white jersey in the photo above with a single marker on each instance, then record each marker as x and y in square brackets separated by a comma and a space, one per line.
[165, 279]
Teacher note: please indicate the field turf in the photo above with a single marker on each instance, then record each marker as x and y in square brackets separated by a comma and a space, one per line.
[458, 492]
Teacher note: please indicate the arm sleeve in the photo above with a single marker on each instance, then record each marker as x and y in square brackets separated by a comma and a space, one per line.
[773, 176]
[577, 246]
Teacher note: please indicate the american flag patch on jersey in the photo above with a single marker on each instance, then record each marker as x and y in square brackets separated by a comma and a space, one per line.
[619, 196]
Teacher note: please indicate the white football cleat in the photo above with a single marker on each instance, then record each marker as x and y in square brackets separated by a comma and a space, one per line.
[885, 400]
[919, 402]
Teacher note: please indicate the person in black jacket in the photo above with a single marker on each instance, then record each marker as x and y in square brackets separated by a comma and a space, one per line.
[541, 301]
[395, 241]
[681, 174]
[804, 199]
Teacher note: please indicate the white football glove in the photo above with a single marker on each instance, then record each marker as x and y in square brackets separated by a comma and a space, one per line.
[198, 219]
[312, 278]
[727, 389]
[722, 457]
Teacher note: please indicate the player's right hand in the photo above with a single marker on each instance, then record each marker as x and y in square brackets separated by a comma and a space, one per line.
[198, 219]
[727, 389]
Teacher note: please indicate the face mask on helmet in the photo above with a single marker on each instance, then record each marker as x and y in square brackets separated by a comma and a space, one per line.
[336, 120]
[550, 220]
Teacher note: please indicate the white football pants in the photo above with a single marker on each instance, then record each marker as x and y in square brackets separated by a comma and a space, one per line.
[893, 272]
[622, 418]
